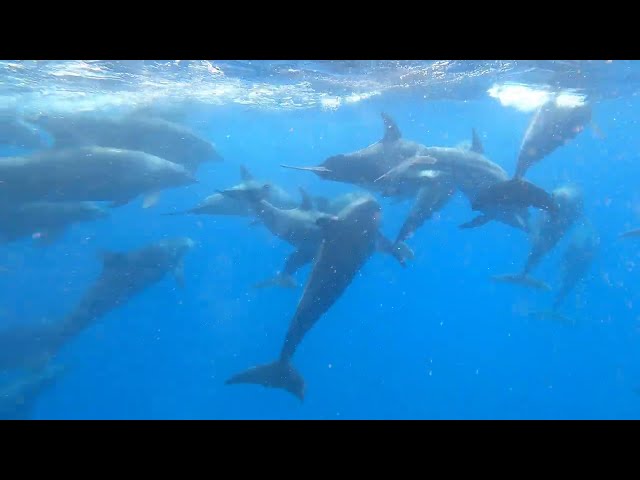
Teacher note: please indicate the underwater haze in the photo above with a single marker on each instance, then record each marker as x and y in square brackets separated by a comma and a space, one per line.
[126, 294]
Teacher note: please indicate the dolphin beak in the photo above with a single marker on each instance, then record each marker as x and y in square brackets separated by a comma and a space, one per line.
[381, 177]
[308, 169]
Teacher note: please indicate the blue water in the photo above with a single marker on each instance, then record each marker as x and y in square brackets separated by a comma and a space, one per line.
[436, 340]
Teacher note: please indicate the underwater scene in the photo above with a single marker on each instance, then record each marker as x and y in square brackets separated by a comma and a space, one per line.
[319, 239]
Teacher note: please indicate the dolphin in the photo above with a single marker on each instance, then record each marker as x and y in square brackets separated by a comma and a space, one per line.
[445, 170]
[577, 260]
[548, 232]
[553, 125]
[123, 275]
[48, 219]
[88, 174]
[156, 136]
[334, 205]
[15, 132]
[349, 240]
[631, 234]
[398, 167]
[299, 227]
[508, 196]
[219, 204]
[430, 200]
[363, 167]
[18, 398]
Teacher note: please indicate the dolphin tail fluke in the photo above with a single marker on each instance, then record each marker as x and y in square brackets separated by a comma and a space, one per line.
[552, 315]
[476, 222]
[279, 374]
[281, 280]
[520, 279]
[180, 212]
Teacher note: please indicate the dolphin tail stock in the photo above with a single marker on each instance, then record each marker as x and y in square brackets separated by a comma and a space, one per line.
[279, 374]
[521, 279]
[280, 280]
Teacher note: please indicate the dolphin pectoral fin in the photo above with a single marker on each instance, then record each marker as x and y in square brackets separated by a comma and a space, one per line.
[178, 274]
[279, 374]
[521, 279]
[404, 251]
[307, 169]
[150, 200]
[476, 222]
[400, 251]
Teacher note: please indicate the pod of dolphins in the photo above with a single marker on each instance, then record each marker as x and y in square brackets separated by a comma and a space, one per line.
[94, 159]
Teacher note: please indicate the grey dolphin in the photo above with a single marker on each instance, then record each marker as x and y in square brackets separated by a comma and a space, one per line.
[123, 275]
[349, 240]
[430, 200]
[398, 167]
[18, 398]
[363, 167]
[219, 204]
[551, 126]
[631, 234]
[88, 174]
[48, 219]
[441, 170]
[156, 136]
[509, 196]
[334, 205]
[15, 132]
[577, 260]
[299, 227]
[548, 232]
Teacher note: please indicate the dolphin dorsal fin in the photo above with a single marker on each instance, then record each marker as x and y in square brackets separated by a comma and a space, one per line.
[307, 203]
[476, 143]
[245, 174]
[391, 131]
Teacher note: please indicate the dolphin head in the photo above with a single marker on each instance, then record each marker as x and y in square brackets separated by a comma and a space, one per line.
[365, 211]
[569, 199]
[178, 246]
[249, 193]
